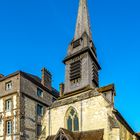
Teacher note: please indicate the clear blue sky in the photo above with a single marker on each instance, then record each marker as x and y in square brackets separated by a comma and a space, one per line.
[36, 33]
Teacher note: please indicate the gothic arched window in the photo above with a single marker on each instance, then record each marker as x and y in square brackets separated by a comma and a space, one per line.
[72, 120]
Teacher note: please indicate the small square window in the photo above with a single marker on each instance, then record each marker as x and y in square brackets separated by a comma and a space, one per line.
[39, 92]
[9, 127]
[8, 86]
[39, 110]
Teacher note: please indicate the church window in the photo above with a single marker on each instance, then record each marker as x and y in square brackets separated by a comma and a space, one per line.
[69, 123]
[72, 120]
[76, 123]
[75, 71]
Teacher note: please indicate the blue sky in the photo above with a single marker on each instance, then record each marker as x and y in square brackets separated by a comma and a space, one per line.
[36, 34]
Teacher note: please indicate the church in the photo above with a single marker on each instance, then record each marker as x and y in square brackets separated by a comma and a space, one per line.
[84, 110]
[31, 109]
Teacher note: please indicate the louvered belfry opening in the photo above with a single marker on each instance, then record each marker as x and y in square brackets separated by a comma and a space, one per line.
[75, 70]
[95, 74]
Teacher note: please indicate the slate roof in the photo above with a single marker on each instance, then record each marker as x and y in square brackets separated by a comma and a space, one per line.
[35, 79]
[85, 135]
[121, 119]
[107, 88]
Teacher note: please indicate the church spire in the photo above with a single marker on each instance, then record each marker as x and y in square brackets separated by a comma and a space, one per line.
[81, 62]
[83, 23]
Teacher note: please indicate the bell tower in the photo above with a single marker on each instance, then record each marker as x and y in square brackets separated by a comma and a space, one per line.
[81, 64]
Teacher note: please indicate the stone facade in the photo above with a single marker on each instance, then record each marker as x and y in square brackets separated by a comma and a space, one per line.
[83, 109]
[92, 113]
[84, 106]
[95, 112]
[23, 106]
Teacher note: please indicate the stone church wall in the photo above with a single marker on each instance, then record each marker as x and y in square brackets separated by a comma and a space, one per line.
[92, 115]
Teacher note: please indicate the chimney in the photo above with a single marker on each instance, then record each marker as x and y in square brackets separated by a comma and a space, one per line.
[1, 75]
[46, 79]
[61, 87]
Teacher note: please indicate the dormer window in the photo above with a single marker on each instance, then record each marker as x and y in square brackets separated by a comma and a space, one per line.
[39, 92]
[8, 86]
[76, 43]
[75, 71]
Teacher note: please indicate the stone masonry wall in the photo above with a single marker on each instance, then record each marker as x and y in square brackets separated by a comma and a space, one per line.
[92, 115]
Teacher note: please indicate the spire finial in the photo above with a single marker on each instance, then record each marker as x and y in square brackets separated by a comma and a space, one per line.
[83, 23]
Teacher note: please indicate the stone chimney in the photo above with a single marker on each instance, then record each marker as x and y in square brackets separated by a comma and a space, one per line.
[61, 87]
[46, 78]
[1, 75]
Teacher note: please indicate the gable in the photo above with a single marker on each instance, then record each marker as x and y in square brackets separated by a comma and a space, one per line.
[64, 134]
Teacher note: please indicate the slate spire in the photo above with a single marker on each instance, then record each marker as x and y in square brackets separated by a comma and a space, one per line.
[83, 23]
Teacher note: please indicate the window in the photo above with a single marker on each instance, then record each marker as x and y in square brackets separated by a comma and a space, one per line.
[39, 110]
[8, 85]
[8, 105]
[76, 43]
[39, 92]
[53, 99]
[1, 119]
[39, 130]
[72, 120]
[9, 127]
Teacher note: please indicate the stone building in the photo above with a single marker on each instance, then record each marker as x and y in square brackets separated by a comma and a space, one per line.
[84, 110]
[23, 101]
[30, 108]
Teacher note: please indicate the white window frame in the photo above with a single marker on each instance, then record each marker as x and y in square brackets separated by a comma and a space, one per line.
[9, 127]
[8, 105]
[8, 86]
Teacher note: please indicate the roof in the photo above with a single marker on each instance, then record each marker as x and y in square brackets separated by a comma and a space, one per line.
[84, 135]
[138, 136]
[33, 78]
[107, 88]
[121, 119]
[83, 23]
